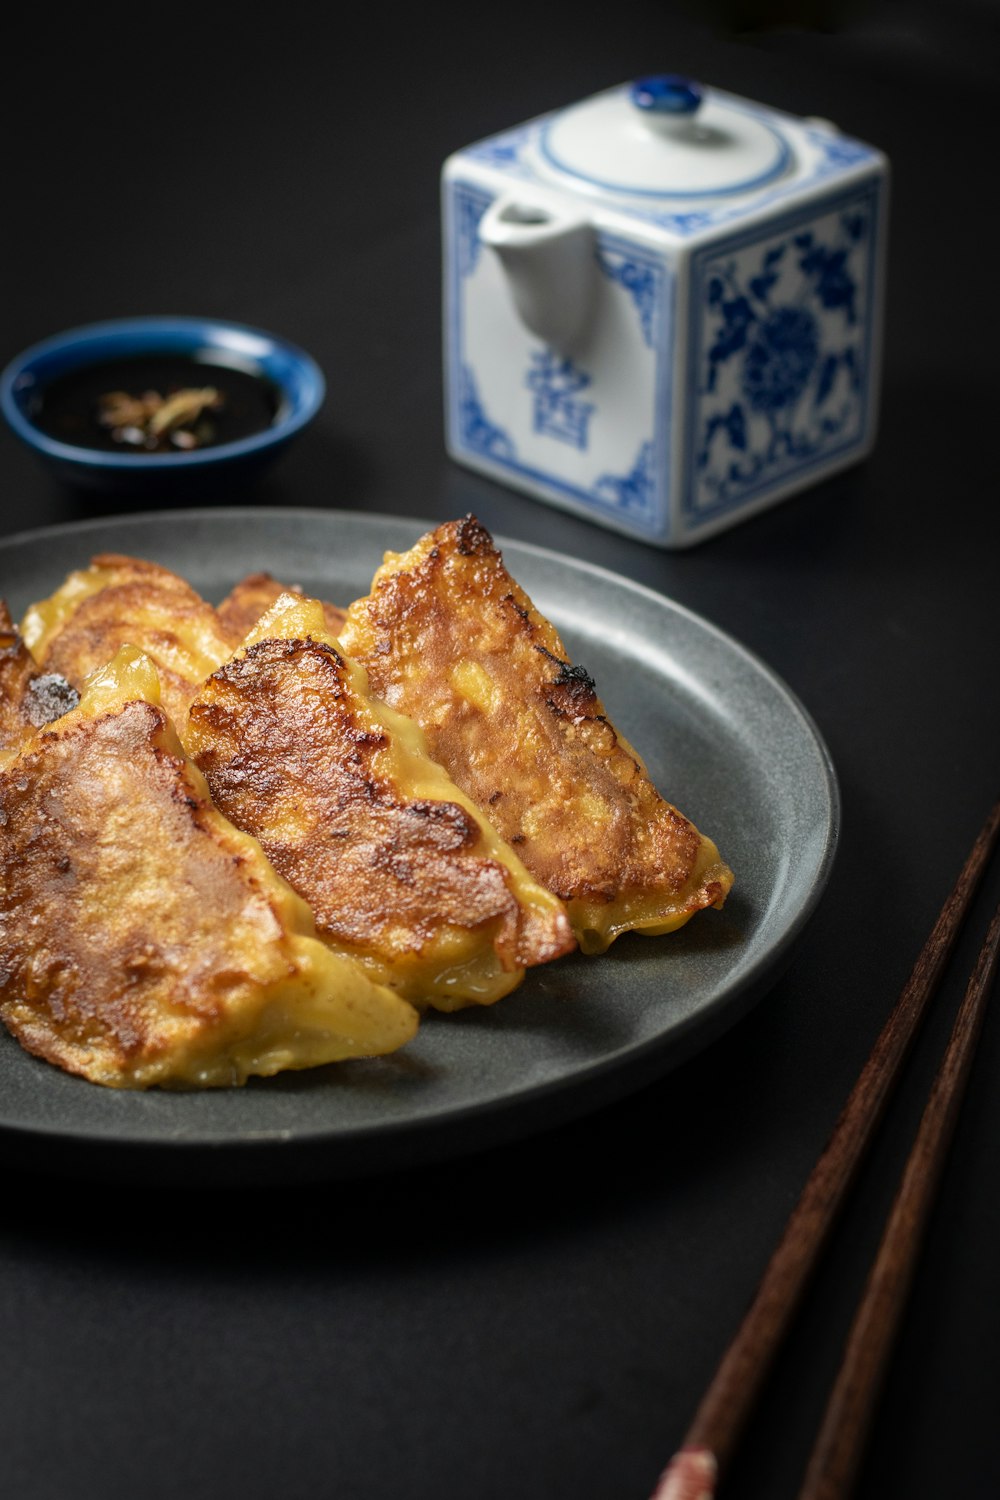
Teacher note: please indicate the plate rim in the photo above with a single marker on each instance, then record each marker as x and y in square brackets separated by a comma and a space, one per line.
[607, 1077]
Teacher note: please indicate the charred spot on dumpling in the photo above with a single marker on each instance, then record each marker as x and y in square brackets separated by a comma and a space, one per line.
[48, 697]
[143, 939]
[29, 699]
[120, 600]
[339, 791]
[521, 610]
[572, 692]
[472, 539]
[447, 825]
[448, 636]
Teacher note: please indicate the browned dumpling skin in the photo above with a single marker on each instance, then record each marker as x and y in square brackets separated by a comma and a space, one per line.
[253, 596]
[143, 939]
[120, 601]
[28, 698]
[398, 866]
[17, 667]
[447, 636]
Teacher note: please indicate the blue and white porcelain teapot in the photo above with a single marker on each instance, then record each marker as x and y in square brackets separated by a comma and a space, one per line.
[663, 306]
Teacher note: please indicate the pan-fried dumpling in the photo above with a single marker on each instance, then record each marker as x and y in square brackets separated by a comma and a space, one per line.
[448, 637]
[398, 865]
[143, 939]
[28, 698]
[126, 601]
[252, 597]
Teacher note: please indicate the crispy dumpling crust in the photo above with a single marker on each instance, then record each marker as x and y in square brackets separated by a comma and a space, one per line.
[121, 601]
[143, 939]
[394, 861]
[28, 698]
[17, 668]
[252, 597]
[446, 635]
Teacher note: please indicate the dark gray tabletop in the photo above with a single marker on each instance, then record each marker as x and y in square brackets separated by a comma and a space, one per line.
[537, 1318]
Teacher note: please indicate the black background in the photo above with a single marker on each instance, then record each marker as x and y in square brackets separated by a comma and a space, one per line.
[538, 1320]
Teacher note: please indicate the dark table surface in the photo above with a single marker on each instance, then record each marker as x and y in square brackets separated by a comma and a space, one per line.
[538, 1319]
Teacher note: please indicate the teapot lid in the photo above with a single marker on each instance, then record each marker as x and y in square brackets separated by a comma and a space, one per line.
[665, 137]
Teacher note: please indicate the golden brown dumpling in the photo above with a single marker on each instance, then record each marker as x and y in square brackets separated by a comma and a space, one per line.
[252, 597]
[121, 601]
[143, 939]
[447, 636]
[28, 697]
[400, 868]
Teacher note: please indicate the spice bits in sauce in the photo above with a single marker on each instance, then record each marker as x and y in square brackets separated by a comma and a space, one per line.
[158, 404]
[182, 419]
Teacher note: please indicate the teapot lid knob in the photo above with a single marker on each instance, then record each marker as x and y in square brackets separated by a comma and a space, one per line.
[662, 136]
[666, 96]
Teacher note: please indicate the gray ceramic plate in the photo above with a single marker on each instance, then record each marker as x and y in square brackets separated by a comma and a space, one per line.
[723, 738]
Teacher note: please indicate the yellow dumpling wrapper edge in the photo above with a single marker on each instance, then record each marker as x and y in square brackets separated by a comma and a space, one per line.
[165, 949]
[453, 965]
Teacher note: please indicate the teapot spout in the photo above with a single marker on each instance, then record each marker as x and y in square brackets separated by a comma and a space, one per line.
[550, 265]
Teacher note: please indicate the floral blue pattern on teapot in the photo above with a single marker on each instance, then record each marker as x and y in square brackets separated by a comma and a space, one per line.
[663, 306]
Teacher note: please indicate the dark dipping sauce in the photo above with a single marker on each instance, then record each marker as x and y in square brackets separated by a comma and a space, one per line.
[67, 409]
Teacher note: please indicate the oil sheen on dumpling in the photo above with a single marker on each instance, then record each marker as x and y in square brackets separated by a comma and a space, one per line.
[28, 698]
[143, 939]
[398, 865]
[253, 596]
[118, 601]
[447, 636]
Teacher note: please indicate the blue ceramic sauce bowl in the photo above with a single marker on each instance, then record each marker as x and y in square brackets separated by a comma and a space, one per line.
[270, 390]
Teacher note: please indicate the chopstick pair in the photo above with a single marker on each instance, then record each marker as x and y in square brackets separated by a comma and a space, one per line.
[721, 1417]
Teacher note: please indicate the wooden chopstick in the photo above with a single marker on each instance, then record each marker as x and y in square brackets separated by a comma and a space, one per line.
[732, 1393]
[846, 1423]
